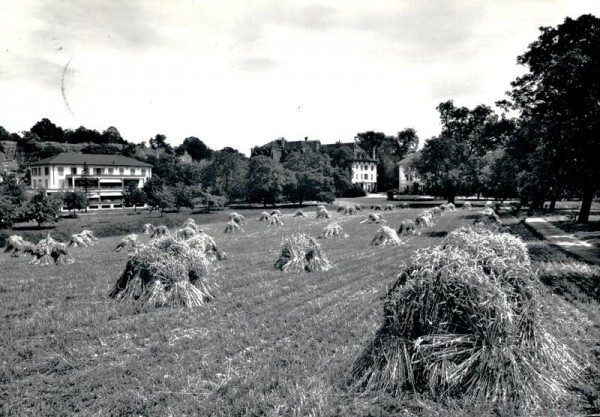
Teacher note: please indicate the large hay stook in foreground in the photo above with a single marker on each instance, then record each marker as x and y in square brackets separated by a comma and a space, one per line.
[467, 327]
[166, 272]
[302, 253]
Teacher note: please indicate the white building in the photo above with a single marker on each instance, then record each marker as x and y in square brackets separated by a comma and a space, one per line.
[409, 182]
[364, 170]
[107, 176]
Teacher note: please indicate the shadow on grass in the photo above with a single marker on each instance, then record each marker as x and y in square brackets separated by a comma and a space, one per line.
[440, 233]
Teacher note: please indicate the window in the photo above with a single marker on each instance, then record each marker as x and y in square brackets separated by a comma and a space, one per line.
[121, 171]
[110, 171]
[365, 176]
[73, 170]
[98, 171]
[143, 171]
[61, 170]
[46, 171]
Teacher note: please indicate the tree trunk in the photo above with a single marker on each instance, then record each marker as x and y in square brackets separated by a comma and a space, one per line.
[451, 198]
[586, 205]
[552, 204]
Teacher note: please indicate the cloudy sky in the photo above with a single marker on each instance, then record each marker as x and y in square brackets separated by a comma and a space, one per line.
[241, 73]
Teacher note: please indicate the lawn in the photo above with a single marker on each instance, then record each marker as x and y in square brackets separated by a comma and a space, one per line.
[269, 344]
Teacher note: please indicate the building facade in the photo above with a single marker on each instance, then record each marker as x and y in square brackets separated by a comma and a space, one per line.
[364, 167]
[408, 180]
[103, 177]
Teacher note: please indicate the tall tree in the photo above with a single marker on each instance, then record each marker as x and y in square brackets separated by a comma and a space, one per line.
[313, 176]
[226, 174]
[370, 141]
[48, 131]
[560, 96]
[195, 148]
[133, 196]
[42, 208]
[159, 142]
[452, 162]
[266, 180]
[75, 200]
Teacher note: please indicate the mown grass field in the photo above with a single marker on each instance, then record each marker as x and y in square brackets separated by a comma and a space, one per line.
[269, 344]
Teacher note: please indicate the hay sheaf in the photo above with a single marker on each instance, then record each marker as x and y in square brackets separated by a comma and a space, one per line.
[302, 253]
[274, 219]
[386, 236]
[374, 218]
[232, 227]
[333, 231]
[299, 213]
[436, 211]
[457, 329]
[408, 227]
[264, 217]
[128, 243]
[16, 246]
[350, 210]
[50, 252]
[405, 205]
[83, 238]
[390, 207]
[322, 213]
[191, 223]
[207, 245]
[166, 272]
[424, 219]
[155, 231]
[467, 206]
[487, 216]
[275, 213]
[237, 218]
[186, 232]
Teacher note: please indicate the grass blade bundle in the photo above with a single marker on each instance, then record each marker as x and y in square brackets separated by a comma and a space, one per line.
[207, 245]
[302, 253]
[166, 272]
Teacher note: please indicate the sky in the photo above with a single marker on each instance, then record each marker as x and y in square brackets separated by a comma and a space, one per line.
[242, 73]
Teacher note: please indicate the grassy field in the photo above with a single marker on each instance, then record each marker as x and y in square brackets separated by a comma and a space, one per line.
[269, 344]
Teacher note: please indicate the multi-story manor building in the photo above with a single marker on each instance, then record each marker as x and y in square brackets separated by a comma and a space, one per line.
[103, 176]
[409, 182]
[364, 167]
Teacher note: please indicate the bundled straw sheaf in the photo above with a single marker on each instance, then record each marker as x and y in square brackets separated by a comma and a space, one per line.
[424, 219]
[302, 253]
[207, 245]
[156, 231]
[487, 216]
[467, 206]
[50, 252]
[237, 218]
[83, 238]
[275, 213]
[166, 272]
[374, 218]
[458, 329]
[386, 236]
[128, 243]
[17, 246]
[264, 217]
[274, 219]
[299, 213]
[333, 231]
[408, 227]
[186, 232]
[390, 207]
[322, 213]
[232, 227]
[350, 210]
[436, 211]
[405, 205]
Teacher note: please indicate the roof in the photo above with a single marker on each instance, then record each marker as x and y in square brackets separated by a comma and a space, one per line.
[359, 153]
[409, 159]
[91, 159]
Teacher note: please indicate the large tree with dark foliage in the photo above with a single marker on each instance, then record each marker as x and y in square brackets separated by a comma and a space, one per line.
[560, 97]
[452, 163]
[226, 173]
[195, 148]
[48, 131]
[266, 180]
[313, 176]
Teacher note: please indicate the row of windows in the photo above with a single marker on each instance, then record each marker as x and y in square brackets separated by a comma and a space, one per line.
[366, 167]
[363, 177]
[93, 171]
[39, 183]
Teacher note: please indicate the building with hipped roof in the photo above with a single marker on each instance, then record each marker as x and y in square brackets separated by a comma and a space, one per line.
[104, 177]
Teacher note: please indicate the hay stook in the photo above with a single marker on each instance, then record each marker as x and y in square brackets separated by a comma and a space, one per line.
[16, 246]
[166, 272]
[232, 227]
[237, 218]
[322, 213]
[408, 227]
[333, 231]
[274, 220]
[128, 243]
[374, 218]
[302, 253]
[51, 252]
[386, 236]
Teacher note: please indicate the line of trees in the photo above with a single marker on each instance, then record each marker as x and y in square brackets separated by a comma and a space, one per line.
[550, 150]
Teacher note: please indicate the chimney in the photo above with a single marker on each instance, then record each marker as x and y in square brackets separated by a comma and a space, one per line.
[305, 138]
